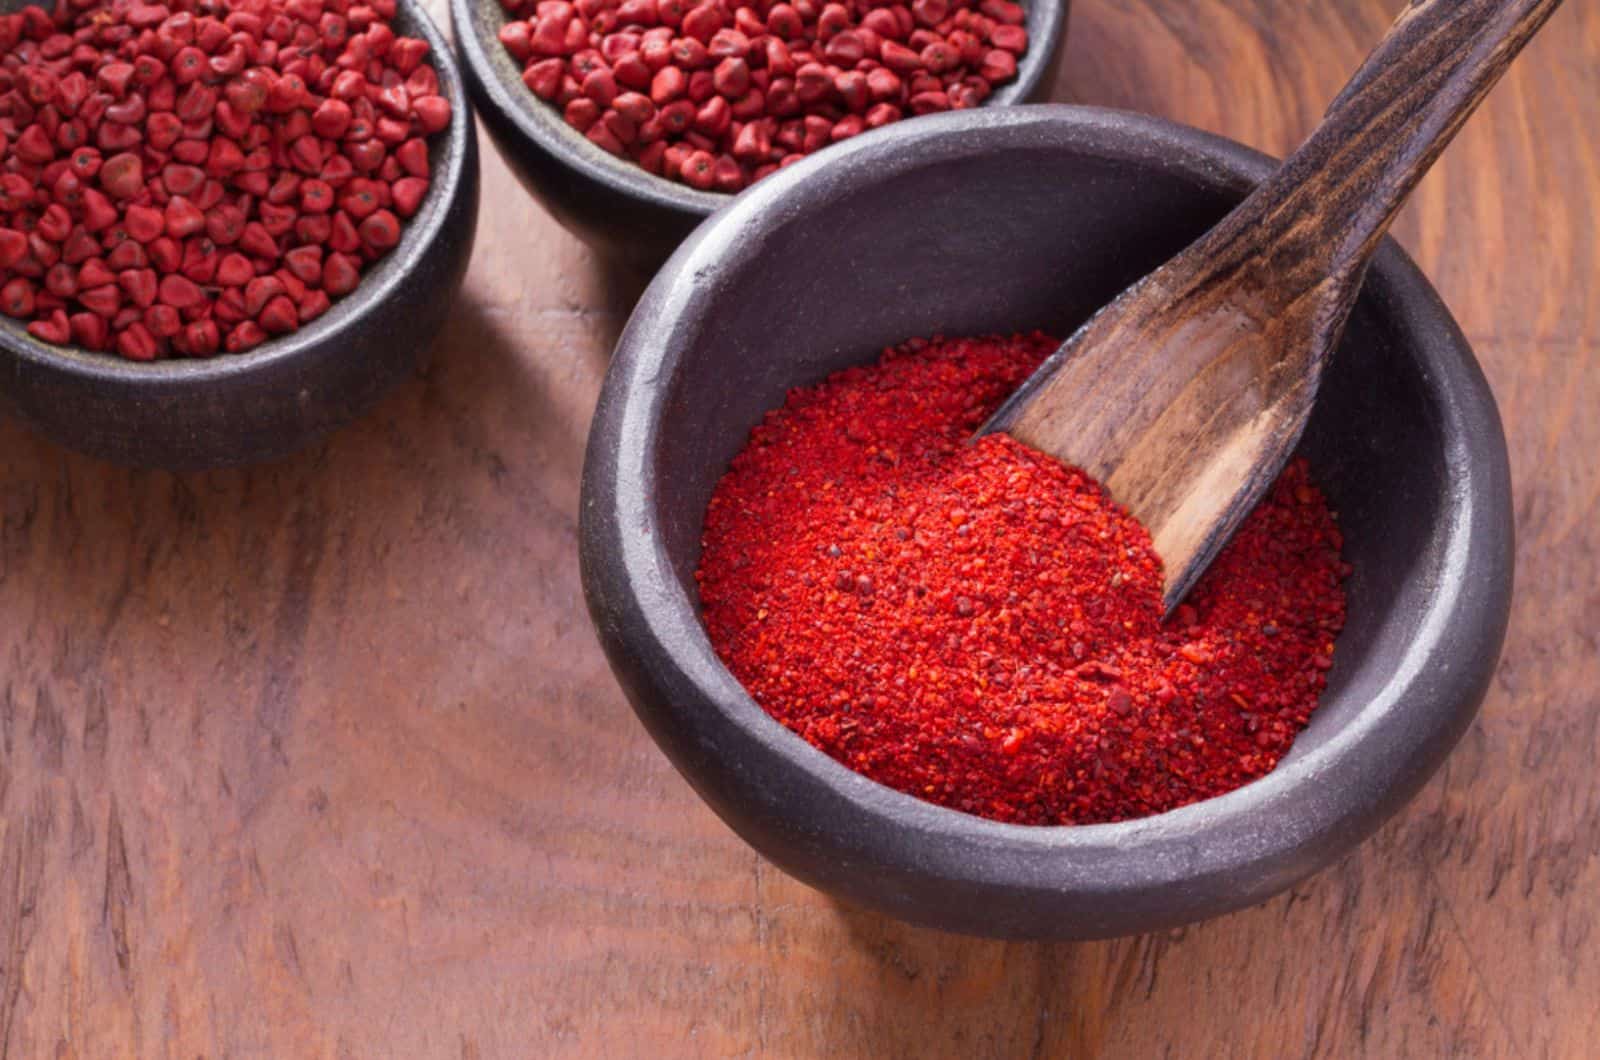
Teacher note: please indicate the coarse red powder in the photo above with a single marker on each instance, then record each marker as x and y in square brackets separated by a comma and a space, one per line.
[980, 625]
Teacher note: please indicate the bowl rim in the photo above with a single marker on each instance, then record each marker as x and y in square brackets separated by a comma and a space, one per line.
[651, 630]
[537, 121]
[378, 282]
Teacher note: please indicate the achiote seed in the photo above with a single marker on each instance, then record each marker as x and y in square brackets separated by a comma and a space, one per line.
[175, 178]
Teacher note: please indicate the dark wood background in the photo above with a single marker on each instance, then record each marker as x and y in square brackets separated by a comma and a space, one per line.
[322, 759]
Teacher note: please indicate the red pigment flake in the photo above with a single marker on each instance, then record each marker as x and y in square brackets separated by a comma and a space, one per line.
[980, 626]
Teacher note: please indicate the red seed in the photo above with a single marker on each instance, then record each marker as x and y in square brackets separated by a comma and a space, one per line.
[114, 77]
[331, 119]
[203, 338]
[306, 264]
[181, 179]
[163, 321]
[88, 330]
[344, 238]
[13, 247]
[136, 343]
[408, 193]
[179, 292]
[279, 316]
[732, 77]
[727, 176]
[61, 280]
[140, 285]
[165, 254]
[277, 220]
[845, 48]
[34, 145]
[669, 84]
[340, 274]
[200, 260]
[183, 218]
[413, 156]
[143, 223]
[53, 328]
[600, 86]
[433, 113]
[381, 230]
[42, 253]
[1013, 39]
[833, 19]
[882, 114]
[225, 225]
[544, 78]
[95, 273]
[80, 246]
[234, 270]
[259, 291]
[998, 66]
[703, 22]
[247, 335]
[852, 89]
[16, 298]
[899, 58]
[698, 170]
[714, 117]
[256, 240]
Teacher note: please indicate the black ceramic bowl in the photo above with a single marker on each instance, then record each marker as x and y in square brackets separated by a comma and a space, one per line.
[631, 216]
[286, 393]
[995, 221]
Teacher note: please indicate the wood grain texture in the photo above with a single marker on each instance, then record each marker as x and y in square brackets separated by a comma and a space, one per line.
[321, 759]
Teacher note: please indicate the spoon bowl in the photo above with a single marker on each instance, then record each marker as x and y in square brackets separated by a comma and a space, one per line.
[1003, 221]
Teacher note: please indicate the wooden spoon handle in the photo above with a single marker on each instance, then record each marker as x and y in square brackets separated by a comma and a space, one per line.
[1328, 206]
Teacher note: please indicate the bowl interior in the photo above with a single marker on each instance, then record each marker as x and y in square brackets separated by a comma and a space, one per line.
[447, 150]
[1046, 20]
[1039, 239]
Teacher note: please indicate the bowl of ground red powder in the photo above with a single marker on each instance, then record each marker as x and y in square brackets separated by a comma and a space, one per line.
[931, 676]
[633, 120]
[225, 228]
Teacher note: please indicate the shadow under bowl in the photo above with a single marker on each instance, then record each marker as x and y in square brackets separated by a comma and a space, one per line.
[1000, 221]
[184, 414]
[630, 216]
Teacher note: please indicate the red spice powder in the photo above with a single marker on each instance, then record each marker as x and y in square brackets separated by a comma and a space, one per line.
[980, 625]
[717, 93]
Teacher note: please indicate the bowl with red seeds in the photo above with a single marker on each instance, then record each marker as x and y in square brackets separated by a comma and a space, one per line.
[931, 675]
[633, 120]
[226, 226]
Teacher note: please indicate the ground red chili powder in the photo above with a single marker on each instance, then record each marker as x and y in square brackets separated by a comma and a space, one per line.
[717, 93]
[199, 175]
[979, 625]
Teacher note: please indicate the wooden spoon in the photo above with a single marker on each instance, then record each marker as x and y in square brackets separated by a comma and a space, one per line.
[1186, 395]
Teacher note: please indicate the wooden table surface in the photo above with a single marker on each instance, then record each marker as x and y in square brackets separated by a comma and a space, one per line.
[322, 758]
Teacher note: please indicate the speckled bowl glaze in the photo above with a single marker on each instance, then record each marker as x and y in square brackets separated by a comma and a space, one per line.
[630, 216]
[286, 393]
[995, 221]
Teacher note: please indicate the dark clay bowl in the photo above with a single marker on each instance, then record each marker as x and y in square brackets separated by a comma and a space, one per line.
[290, 391]
[996, 221]
[628, 215]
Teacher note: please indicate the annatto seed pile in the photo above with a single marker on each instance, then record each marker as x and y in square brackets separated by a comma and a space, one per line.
[718, 93]
[196, 176]
[979, 625]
